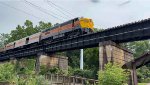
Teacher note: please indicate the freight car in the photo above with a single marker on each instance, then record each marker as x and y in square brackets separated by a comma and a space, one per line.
[72, 28]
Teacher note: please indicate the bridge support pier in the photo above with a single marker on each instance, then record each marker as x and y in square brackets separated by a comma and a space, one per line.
[111, 52]
[37, 63]
[106, 53]
[50, 60]
[102, 56]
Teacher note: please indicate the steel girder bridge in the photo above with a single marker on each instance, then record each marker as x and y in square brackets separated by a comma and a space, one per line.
[120, 34]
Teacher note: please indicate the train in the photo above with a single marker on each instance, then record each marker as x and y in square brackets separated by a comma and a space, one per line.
[71, 28]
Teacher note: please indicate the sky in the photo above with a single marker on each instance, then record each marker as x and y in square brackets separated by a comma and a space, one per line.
[104, 13]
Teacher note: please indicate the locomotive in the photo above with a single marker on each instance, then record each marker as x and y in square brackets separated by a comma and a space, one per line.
[72, 28]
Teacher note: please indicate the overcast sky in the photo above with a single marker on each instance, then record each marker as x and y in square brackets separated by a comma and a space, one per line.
[105, 13]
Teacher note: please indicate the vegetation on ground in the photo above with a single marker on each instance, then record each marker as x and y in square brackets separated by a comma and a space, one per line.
[6, 72]
[113, 74]
[9, 74]
[142, 83]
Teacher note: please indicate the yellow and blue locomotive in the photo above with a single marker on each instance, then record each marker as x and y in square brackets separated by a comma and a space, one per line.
[74, 27]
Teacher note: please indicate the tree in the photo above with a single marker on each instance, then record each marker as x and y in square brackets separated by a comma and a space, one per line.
[143, 74]
[91, 57]
[29, 29]
[138, 48]
[17, 34]
[113, 74]
[6, 72]
[26, 30]
[43, 25]
[97, 30]
[73, 58]
[3, 39]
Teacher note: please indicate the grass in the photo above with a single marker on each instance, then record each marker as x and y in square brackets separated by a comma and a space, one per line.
[142, 83]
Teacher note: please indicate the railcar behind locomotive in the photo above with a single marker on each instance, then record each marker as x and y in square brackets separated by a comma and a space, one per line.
[72, 28]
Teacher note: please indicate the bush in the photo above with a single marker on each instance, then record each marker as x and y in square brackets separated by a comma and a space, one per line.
[52, 70]
[112, 75]
[143, 74]
[147, 80]
[25, 66]
[81, 73]
[32, 80]
[6, 72]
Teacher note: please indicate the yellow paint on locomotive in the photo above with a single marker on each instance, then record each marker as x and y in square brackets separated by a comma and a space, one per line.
[86, 23]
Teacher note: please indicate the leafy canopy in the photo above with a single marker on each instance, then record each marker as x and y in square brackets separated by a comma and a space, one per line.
[26, 30]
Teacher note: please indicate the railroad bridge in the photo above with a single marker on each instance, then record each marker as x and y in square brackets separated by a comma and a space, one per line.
[130, 32]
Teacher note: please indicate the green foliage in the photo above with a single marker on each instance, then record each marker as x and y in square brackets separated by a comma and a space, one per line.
[138, 48]
[52, 70]
[91, 58]
[25, 66]
[73, 58]
[6, 72]
[26, 30]
[31, 80]
[3, 39]
[81, 73]
[112, 75]
[70, 72]
[142, 83]
[43, 69]
[144, 74]
[97, 29]
[42, 25]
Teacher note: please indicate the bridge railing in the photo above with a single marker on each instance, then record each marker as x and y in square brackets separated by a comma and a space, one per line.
[70, 80]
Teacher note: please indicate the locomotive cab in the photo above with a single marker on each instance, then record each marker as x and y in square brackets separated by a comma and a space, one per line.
[86, 24]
